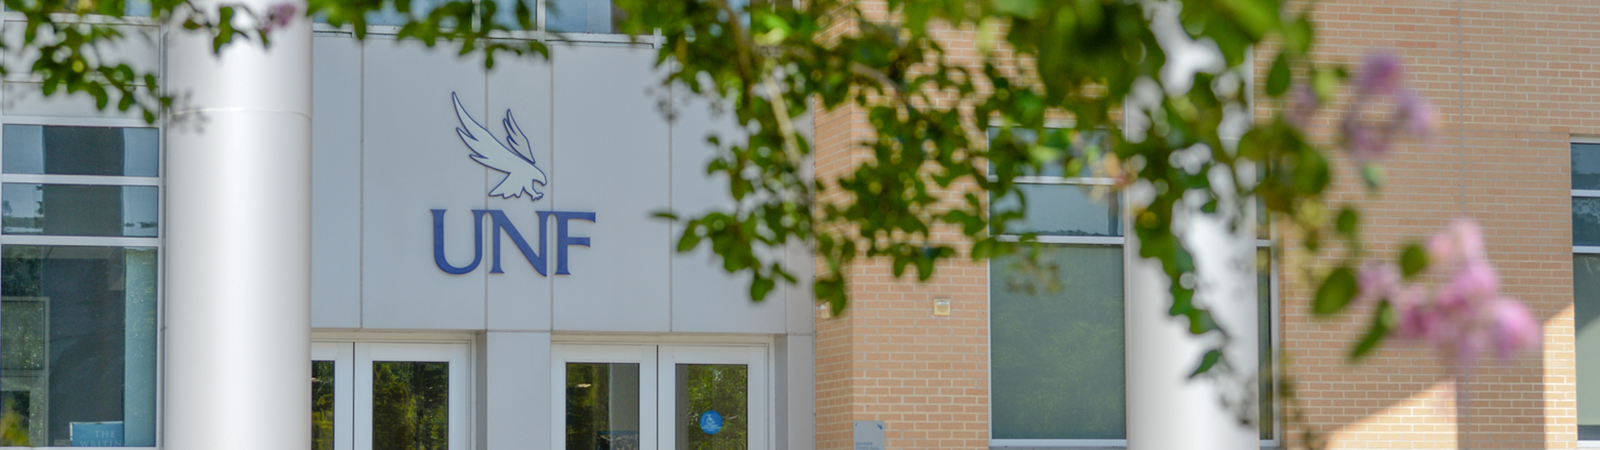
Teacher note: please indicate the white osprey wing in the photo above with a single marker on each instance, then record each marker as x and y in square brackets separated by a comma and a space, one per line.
[520, 171]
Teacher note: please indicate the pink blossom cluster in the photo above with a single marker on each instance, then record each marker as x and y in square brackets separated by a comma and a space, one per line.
[279, 16]
[1463, 317]
[1380, 86]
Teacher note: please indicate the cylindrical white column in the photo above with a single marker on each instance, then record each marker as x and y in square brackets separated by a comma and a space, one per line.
[1167, 410]
[238, 240]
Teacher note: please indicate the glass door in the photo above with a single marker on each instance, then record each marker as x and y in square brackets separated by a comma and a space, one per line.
[649, 397]
[609, 397]
[389, 396]
[718, 398]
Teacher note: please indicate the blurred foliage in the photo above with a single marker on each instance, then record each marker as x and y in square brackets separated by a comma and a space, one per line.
[1069, 69]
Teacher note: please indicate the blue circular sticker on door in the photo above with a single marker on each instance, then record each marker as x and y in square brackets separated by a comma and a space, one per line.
[711, 422]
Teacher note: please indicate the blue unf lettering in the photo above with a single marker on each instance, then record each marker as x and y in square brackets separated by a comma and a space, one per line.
[501, 224]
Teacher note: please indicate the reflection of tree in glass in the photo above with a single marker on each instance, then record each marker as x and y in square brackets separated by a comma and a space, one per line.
[713, 387]
[602, 406]
[23, 268]
[410, 405]
[14, 419]
[322, 405]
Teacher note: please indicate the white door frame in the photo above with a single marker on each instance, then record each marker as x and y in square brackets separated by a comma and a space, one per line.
[754, 358]
[343, 356]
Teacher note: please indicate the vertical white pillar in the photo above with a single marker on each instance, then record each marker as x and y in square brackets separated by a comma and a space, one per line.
[1167, 410]
[238, 240]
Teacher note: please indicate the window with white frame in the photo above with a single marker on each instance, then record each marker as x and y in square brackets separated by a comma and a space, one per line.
[1057, 323]
[1586, 282]
[79, 233]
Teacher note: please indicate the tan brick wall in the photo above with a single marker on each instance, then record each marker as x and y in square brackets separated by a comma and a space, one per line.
[1513, 81]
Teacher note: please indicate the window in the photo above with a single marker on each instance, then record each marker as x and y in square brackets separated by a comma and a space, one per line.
[562, 16]
[389, 396]
[1057, 327]
[1056, 317]
[1586, 282]
[646, 396]
[79, 210]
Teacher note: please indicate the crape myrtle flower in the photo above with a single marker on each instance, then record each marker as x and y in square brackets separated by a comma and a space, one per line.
[1465, 316]
[1380, 90]
[279, 16]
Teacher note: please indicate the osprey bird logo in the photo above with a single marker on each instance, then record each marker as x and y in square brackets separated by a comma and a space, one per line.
[514, 158]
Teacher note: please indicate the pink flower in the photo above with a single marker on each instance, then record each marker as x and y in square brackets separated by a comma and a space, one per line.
[1379, 86]
[1417, 115]
[1381, 74]
[1303, 106]
[1376, 282]
[279, 16]
[1465, 316]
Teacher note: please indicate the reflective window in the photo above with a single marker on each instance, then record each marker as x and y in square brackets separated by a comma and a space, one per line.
[602, 406]
[1585, 166]
[1061, 210]
[1586, 221]
[78, 346]
[76, 210]
[1586, 321]
[62, 150]
[712, 406]
[323, 387]
[581, 16]
[410, 405]
[1266, 369]
[1057, 331]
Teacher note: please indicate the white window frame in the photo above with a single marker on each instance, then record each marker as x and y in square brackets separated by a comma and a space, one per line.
[106, 241]
[1584, 250]
[352, 426]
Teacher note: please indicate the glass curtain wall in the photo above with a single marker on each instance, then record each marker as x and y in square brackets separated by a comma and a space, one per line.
[78, 286]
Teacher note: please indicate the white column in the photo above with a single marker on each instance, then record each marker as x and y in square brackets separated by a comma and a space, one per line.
[1167, 410]
[238, 240]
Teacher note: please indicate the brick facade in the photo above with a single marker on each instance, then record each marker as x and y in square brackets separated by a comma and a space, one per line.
[1513, 83]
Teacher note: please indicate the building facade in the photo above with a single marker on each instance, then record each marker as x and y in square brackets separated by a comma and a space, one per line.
[484, 269]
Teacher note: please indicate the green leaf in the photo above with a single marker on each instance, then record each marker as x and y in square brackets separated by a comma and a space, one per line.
[1278, 77]
[1383, 321]
[1336, 292]
[1298, 35]
[759, 287]
[1206, 362]
[1348, 220]
[1413, 260]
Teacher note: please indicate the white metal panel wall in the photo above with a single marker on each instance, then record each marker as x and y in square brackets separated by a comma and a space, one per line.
[598, 133]
[413, 162]
[141, 49]
[336, 183]
[519, 299]
[705, 298]
[611, 158]
[518, 410]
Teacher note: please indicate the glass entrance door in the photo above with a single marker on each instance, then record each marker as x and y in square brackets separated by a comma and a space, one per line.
[383, 396]
[718, 398]
[649, 397]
